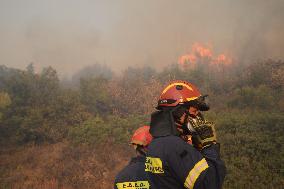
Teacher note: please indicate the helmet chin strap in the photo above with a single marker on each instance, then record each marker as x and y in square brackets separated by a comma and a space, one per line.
[184, 127]
[176, 114]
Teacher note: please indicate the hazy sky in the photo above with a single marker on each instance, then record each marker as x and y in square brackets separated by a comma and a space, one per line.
[70, 34]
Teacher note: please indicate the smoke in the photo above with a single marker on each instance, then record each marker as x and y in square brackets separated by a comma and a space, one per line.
[69, 34]
[65, 49]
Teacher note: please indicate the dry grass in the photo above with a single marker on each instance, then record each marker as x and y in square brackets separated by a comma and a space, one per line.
[59, 166]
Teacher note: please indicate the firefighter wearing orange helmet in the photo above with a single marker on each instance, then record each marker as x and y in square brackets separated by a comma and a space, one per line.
[133, 175]
[173, 163]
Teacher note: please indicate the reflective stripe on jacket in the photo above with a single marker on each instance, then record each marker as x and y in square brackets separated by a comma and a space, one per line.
[173, 163]
[133, 176]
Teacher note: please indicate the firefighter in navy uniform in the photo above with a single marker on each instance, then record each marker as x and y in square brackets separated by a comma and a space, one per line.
[173, 163]
[133, 176]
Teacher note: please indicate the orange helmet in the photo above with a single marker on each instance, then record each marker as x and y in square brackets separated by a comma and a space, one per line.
[178, 92]
[142, 136]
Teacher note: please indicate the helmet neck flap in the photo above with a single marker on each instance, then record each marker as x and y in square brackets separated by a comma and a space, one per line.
[164, 122]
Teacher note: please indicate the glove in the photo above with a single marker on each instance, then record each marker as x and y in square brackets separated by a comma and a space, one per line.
[203, 132]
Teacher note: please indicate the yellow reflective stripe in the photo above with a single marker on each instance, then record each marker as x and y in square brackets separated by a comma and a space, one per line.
[171, 85]
[192, 98]
[133, 185]
[194, 173]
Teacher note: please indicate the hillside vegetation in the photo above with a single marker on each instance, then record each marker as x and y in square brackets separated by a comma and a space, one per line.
[74, 134]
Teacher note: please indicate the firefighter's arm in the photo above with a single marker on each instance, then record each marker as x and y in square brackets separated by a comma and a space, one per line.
[212, 156]
[194, 169]
[205, 141]
[213, 173]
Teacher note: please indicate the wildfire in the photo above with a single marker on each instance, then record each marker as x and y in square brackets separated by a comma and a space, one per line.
[202, 54]
[187, 58]
[223, 59]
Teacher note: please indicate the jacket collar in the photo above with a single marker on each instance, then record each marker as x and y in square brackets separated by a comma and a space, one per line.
[162, 124]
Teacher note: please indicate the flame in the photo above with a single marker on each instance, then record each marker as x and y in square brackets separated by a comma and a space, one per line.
[221, 58]
[202, 54]
[187, 58]
[201, 51]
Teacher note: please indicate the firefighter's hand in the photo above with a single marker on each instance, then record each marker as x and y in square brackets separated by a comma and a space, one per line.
[204, 134]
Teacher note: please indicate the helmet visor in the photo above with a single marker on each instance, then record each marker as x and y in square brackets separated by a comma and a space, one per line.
[201, 103]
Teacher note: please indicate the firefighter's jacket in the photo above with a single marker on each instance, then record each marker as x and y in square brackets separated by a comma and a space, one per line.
[171, 163]
[133, 176]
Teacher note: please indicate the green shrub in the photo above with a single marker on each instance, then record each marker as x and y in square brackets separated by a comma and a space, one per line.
[253, 98]
[91, 131]
[252, 147]
[112, 129]
[122, 128]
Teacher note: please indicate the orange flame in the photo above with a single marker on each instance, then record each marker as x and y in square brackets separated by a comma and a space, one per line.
[221, 58]
[187, 58]
[202, 54]
[201, 51]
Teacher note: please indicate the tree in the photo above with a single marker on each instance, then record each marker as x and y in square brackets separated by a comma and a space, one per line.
[5, 101]
[94, 95]
[268, 72]
[92, 71]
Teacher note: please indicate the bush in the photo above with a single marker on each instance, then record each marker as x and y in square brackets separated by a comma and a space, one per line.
[91, 131]
[113, 129]
[254, 98]
[251, 145]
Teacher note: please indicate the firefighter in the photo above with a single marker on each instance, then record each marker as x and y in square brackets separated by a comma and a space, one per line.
[133, 176]
[173, 163]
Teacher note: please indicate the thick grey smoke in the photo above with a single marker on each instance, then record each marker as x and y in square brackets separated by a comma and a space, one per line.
[70, 34]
